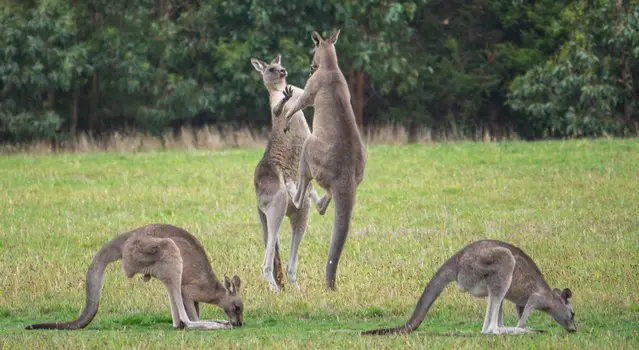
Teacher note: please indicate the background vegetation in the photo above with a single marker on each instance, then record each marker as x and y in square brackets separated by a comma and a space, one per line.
[479, 68]
[572, 205]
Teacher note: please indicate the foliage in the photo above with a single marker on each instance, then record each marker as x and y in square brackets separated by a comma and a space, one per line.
[40, 55]
[585, 87]
[95, 66]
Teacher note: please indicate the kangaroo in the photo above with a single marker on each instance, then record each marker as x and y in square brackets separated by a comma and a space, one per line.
[496, 270]
[334, 154]
[179, 261]
[275, 177]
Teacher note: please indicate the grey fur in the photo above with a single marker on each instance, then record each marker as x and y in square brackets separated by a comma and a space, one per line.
[276, 175]
[334, 154]
[499, 271]
[179, 261]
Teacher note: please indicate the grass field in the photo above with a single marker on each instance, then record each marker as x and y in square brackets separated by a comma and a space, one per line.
[572, 206]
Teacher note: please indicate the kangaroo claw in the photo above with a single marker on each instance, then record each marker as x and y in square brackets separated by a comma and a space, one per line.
[288, 93]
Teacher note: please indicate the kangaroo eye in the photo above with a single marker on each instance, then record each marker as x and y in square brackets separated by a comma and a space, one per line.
[237, 308]
[271, 69]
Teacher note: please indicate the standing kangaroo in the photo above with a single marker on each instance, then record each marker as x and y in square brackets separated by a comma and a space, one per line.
[179, 261]
[275, 177]
[496, 270]
[334, 154]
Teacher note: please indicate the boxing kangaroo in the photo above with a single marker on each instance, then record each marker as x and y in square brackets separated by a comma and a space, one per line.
[275, 177]
[179, 261]
[499, 271]
[334, 154]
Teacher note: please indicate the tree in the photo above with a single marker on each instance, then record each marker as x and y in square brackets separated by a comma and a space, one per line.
[587, 87]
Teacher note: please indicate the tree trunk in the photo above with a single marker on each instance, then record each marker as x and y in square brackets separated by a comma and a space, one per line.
[356, 84]
[163, 8]
[626, 74]
[93, 103]
[74, 104]
[51, 99]
[626, 77]
[74, 116]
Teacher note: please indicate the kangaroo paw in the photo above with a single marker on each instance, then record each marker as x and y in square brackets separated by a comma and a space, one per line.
[288, 93]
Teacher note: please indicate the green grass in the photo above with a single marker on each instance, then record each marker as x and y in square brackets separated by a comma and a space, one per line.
[572, 206]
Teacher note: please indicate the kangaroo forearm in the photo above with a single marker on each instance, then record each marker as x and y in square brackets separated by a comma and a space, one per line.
[302, 102]
[296, 107]
[277, 109]
[524, 315]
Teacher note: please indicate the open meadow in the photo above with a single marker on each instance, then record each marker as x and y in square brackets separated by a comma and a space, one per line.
[573, 206]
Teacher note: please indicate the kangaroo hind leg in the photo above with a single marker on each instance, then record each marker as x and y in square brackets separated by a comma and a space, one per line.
[159, 258]
[299, 222]
[274, 213]
[303, 176]
[278, 275]
[498, 266]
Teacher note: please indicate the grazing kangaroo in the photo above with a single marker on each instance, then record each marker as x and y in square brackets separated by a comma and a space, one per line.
[179, 261]
[275, 177]
[496, 270]
[334, 154]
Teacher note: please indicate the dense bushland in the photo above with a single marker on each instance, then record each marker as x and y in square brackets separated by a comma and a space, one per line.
[545, 68]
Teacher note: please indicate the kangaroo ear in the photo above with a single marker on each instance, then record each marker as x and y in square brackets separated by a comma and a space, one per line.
[237, 282]
[227, 283]
[277, 60]
[229, 286]
[566, 294]
[259, 65]
[334, 37]
[317, 39]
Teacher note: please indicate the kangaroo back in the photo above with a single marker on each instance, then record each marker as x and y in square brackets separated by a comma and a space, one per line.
[444, 275]
[94, 279]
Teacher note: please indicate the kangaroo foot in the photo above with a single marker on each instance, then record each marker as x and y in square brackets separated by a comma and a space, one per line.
[209, 325]
[508, 330]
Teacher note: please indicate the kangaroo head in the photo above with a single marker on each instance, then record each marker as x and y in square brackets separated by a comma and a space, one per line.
[272, 73]
[231, 303]
[561, 309]
[324, 53]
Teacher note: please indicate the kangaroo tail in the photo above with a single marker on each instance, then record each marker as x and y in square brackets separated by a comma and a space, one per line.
[95, 277]
[446, 274]
[344, 203]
